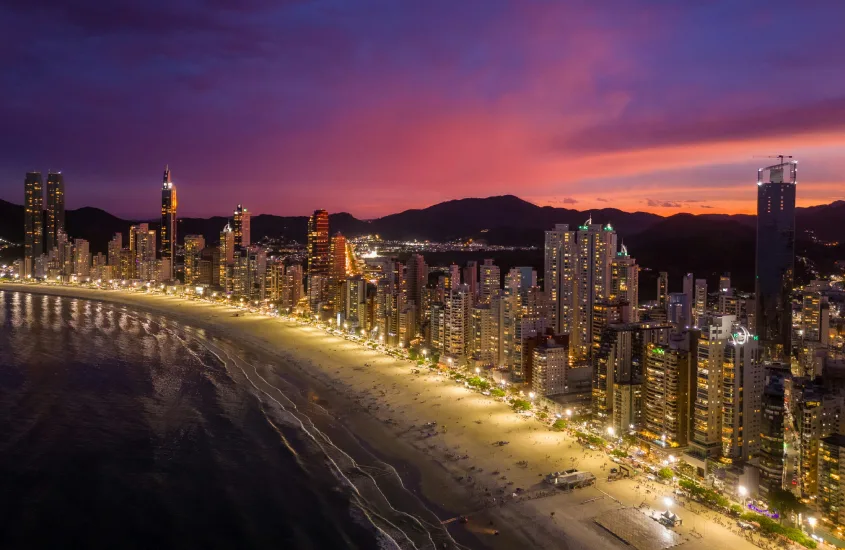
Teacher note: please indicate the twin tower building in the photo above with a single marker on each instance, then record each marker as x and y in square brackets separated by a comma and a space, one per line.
[45, 230]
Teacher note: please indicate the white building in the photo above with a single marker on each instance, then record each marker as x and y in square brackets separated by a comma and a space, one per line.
[549, 365]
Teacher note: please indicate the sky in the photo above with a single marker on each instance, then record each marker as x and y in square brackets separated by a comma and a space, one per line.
[377, 106]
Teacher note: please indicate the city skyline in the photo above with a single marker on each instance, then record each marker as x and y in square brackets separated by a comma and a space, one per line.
[382, 110]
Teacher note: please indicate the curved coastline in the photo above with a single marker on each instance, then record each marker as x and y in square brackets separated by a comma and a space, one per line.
[384, 405]
[419, 474]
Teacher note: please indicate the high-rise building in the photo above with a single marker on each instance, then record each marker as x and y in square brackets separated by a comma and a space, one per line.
[453, 276]
[817, 415]
[743, 379]
[725, 284]
[680, 309]
[775, 260]
[699, 303]
[194, 244]
[208, 268]
[596, 246]
[145, 253]
[689, 292]
[620, 360]
[663, 291]
[227, 254]
[168, 224]
[33, 222]
[523, 315]
[668, 374]
[417, 278]
[549, 366]
[319, 250]
[81, 258]
[706, 433]
[55, 208]
[337, 272]
[470, 276]
[115, 248]
[625, 281]
[815, 317]
[772, 449]
[242, 226]
[561, 263]
[356, 303]
[831, 497]
[491, 281]
[457, 327]
[318, 243]
[291, 287]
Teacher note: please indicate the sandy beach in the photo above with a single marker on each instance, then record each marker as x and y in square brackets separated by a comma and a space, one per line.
[457, 465]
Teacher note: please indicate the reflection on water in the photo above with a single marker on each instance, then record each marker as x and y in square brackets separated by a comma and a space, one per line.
[122, 429]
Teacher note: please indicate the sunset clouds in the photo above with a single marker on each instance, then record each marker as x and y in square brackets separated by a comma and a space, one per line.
[377, 106]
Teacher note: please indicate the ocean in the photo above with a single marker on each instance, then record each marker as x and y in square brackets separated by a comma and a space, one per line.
[121, 428]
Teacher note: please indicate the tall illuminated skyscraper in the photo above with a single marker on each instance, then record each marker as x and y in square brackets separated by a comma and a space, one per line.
[596, 246]
[337, 271]
[227, 253]
[318, 243]
[193, 251]
[625, 281]
[55, 208]
[699, 302]
[168, 223]
[242, 219]
[560, 266]
[33, 221]
[775, 258]
[319, 251]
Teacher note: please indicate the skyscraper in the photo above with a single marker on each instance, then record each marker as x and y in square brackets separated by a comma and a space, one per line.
[227, 254]
[242, 219]
[625, 282]
[699, 303]
[318, 243]
[558, 283]
[416, 279]
[596, 246]
[470, 276]
[491, 281]
[319, 251]
[663, 291]
[337, 272]
[193, 250]
[668, 372]
[33, 221]
[775, 258]
[168, 223]
[55, 208]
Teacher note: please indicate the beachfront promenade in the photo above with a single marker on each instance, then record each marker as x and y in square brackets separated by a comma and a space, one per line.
[407, 399]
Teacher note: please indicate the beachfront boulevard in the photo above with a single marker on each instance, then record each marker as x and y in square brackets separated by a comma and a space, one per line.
[496, 459]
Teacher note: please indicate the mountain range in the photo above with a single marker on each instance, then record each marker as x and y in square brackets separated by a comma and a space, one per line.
[708, 243]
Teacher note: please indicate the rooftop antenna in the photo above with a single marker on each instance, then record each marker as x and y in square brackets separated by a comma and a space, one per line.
[779, 157]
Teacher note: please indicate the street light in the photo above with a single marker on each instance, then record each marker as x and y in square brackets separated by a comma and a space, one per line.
[668, 502]
[812, 522]
[568, 412]
[610, 431]
[531, 395]
[743, 492]
[477, 370]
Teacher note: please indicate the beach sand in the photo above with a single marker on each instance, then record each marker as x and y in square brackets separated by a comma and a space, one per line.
[385, 405]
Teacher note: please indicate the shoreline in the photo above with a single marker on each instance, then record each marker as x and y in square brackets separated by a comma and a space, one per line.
[384, 405]
[415, 472]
